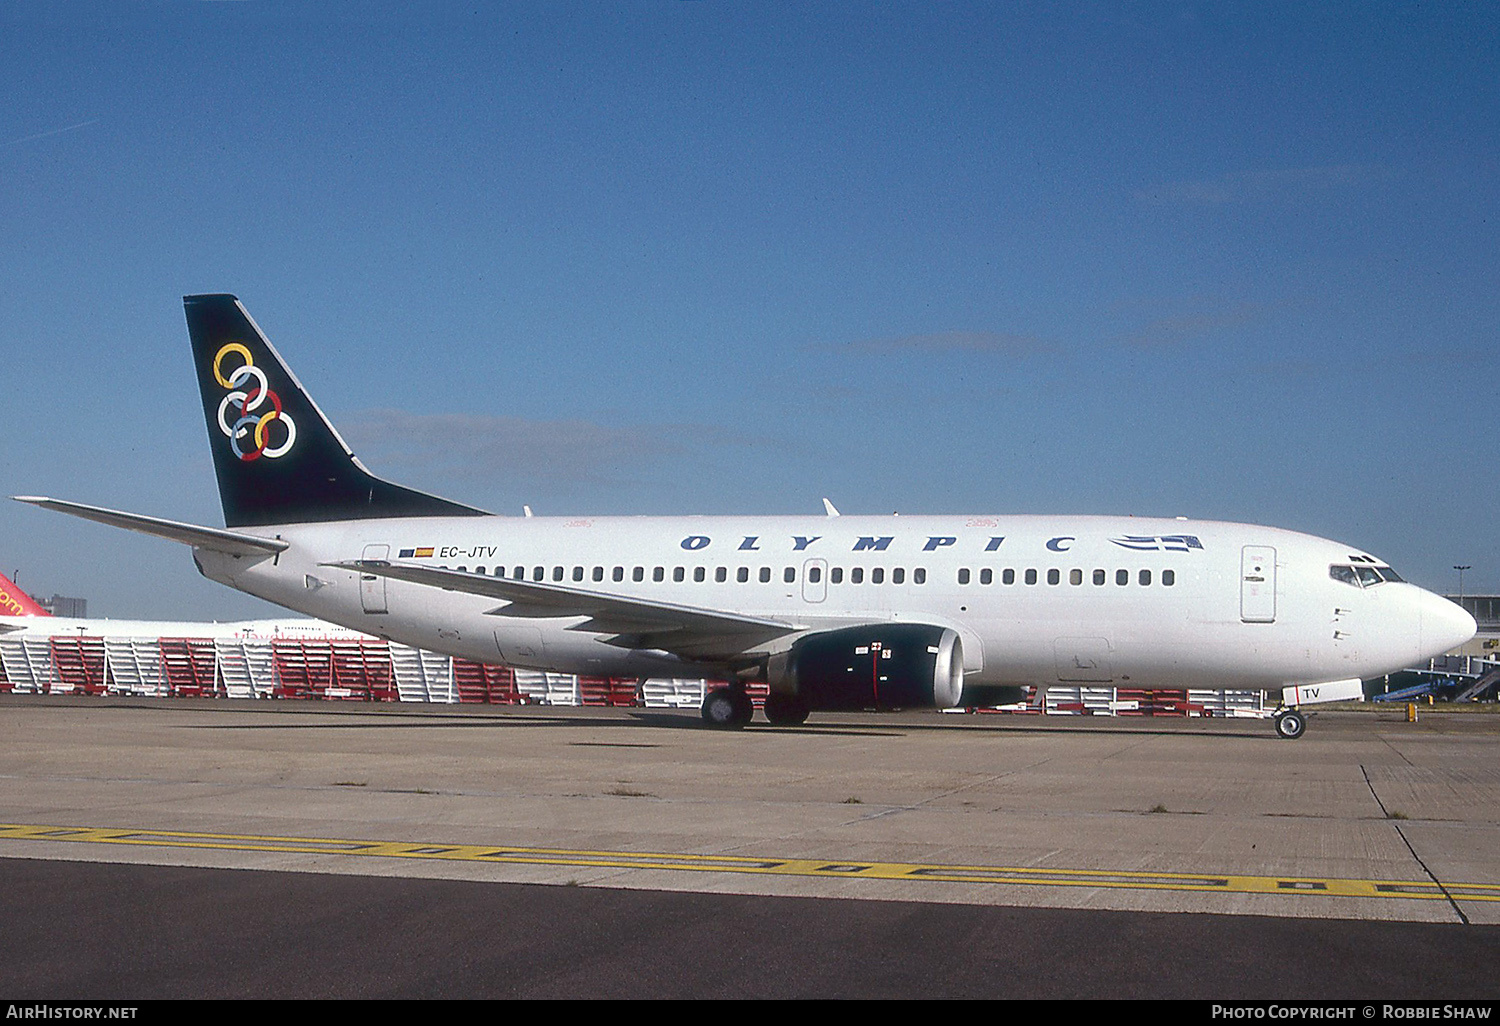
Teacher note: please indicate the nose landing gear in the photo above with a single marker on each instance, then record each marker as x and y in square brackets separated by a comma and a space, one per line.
[1290, 723]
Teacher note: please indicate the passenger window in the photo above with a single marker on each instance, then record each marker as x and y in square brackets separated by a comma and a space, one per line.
[1075, 576]
[1168, 577]
[698, 574]
[765, 575]
[721, 574]
[986, 576]
[742, 574]
[1145, 577]
[539, 573]
[963, 576]
[479, 570]
[898, 576]
[578, 573]
[519, 573]
[678, 574]
[919, 575]
[463, 569]
[1122, 576]
[1099, 576]
[877, 576]
[788, 575]
[857, 575]
[814, 574]
[619, 574]
[658, 573]
[638, 574]
[557, 573]
[1008, 576]
[598, 573]
[836, 575]
[1030, 576]
[1053, 576]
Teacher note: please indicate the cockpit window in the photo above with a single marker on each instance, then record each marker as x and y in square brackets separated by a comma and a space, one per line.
[1362, 576]
[1343, 573]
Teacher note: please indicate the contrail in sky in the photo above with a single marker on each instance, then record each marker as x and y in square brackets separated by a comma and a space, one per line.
[55, 131]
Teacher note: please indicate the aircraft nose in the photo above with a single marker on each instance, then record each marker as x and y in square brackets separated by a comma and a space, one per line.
[1445, 625]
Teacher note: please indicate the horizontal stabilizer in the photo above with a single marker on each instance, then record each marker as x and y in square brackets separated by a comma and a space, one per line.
[211, 538]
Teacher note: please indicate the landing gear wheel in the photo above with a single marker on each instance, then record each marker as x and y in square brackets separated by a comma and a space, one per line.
[1290, 724]
[727, 708]
[785, 710]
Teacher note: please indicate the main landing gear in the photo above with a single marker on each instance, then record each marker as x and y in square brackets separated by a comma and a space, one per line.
[1290, 723]
[727, 708]
[731, 708]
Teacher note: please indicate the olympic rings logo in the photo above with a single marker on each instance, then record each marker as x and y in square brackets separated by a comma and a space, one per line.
[251, 422]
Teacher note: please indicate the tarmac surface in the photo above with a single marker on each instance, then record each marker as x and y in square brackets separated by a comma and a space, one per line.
[154, 848]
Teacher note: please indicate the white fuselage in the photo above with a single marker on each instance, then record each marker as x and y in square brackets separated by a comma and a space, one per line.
[1137, 602]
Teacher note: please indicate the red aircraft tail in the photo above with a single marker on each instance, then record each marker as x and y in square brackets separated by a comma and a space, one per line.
[15, 602]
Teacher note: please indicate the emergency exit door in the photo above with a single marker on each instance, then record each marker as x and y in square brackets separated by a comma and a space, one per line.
[815, 580]
[1258, 584]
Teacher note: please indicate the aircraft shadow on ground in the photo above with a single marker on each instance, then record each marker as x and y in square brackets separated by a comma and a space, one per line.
[365, 718]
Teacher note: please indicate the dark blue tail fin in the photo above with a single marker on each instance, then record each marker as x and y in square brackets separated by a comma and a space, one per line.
[277, 458]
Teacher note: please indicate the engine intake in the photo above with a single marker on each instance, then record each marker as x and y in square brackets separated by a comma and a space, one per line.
[885, 666]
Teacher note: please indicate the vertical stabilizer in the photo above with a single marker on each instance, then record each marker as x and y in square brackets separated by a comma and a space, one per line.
[15, 602]
[277, 458]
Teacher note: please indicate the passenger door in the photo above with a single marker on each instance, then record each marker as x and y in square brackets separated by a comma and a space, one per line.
[1258, 584]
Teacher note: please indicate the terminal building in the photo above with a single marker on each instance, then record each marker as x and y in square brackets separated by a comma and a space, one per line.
[1485, 609]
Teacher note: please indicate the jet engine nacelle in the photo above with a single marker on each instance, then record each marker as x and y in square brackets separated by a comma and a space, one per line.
[882, 666]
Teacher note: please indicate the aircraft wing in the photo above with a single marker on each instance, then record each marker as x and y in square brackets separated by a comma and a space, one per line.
[687, 631]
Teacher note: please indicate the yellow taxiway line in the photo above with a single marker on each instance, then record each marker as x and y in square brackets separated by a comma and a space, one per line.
[687, 862]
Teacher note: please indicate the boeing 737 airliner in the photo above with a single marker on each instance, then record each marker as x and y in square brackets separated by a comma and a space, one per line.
[832, 612]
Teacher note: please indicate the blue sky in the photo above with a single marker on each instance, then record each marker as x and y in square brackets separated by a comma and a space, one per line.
[1235, 261]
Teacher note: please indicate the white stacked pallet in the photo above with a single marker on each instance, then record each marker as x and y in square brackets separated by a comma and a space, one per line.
[1095, 701]
[232, 668]
[663, 693]
[133, 666]
[28, 664]
[422, 676]
[1230, 703]
[246, 667]
[548, 688]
